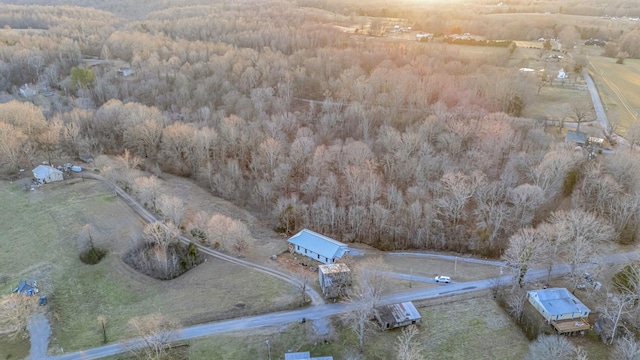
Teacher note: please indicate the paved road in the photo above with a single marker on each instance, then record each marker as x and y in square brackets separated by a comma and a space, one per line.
[327, 310]
[601, 116]
[39, 330]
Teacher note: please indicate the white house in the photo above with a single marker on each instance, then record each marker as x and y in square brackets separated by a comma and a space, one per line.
[562, 74]
[46, 174]
[317, 247]
[557, 304]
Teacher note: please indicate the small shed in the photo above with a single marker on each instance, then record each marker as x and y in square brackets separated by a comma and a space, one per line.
[126, 71]
[27, 287]
[334, 280]
[317, 247]
[576, 137]
[397, 315]
[304, 355]
[46, 174]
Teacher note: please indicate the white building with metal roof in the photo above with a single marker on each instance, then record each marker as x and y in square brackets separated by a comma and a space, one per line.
[46, 174]
[317, 247]
[304, 355]
[557, 304]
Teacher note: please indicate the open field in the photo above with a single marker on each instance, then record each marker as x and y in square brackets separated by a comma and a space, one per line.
[41, 228]
[460, 271]
[554, 102]
[14, 349]
[618, 86]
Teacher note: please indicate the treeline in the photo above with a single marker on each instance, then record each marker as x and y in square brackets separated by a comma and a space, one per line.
[397, 145]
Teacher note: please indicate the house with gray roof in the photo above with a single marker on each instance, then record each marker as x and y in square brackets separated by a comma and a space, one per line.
[576, 137]
[304, 355]
[317, 247]
[396, 315]
[557, 304]
[27, 287]
[46, 174]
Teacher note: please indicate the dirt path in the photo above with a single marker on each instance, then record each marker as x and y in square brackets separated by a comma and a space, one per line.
[39, 330]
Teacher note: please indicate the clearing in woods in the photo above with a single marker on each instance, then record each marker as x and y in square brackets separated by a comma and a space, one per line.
[39, 240]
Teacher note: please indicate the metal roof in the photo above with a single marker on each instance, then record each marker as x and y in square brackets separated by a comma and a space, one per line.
[319, 244]
[576, 136]
[398, 313]
[42, 171]
[297, 356]
[558, 301]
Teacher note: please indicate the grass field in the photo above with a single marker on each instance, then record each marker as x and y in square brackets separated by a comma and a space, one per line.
[618, 86]
[39, 241]
[459, 271]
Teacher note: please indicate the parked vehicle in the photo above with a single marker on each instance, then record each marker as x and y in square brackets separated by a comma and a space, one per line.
[443, 279]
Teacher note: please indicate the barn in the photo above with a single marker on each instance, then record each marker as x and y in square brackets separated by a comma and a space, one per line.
[317, 247]
[397, 315]
[46, 174]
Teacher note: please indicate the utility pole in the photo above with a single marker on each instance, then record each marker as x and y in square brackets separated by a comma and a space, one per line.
[268, 348]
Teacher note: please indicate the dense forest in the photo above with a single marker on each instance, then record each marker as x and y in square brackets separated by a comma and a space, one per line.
[271, 105]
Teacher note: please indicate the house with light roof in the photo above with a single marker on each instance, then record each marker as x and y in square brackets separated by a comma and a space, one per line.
[317, 247]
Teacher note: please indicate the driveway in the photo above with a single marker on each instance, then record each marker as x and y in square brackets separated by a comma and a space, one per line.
[39, 330]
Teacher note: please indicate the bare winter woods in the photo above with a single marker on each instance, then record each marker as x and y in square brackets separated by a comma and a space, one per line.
[393, 144]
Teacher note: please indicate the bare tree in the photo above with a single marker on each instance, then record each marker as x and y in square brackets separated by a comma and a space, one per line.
[516, 301]
[11, 140]
[524, 251]
[15, 311]
[408, 348]
[583, 232]
[302, 283]
[360, 316]
[172, 208]
[626, 348]
[582, 111]
[614, 308]
[148, 190]
[228, 234]
[551, 347]
[154, 336]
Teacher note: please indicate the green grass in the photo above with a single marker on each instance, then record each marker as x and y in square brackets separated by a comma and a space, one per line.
[14, 349]
[40, 241]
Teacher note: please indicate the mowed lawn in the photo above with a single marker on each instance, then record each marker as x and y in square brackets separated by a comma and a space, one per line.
[618, 86]
[469, 329]
[39, 240]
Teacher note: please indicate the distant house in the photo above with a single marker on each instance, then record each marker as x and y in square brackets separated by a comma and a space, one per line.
[27, 287]
[560, 308]
[396, 315]
[46, 174]
[576, 137]
[126, 71]
[27, 91]
[317, 247]
[334, 280]
[304, 355]
[562, 74]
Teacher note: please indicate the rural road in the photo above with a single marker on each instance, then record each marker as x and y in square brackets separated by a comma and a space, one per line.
[39, 330]
[326, 310]
[601, 116]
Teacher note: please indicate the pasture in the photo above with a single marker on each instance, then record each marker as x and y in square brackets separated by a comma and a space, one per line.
[618, 88]
[40, 241]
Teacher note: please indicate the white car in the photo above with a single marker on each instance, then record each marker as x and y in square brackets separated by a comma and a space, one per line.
[443, 279]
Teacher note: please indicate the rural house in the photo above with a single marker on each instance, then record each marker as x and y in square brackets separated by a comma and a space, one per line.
[317, 247]
[46, 174]
[27, 287]
[126, 71]
[560, 308]
[304, 355]
[396, 315]
[576, 137]
[334, 280]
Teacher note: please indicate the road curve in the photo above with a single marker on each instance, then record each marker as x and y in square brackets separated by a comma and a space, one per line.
[147, 216]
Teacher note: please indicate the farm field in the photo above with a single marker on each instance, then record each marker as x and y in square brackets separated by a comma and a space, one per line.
[618, 86]
[40, 241]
